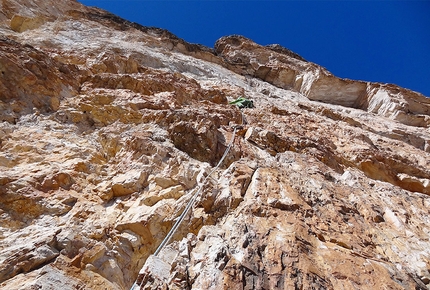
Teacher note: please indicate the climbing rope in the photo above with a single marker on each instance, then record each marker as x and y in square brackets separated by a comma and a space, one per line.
[191, 202]
[193, 198]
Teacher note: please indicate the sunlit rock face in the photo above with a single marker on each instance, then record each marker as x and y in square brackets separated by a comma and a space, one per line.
[108, 127]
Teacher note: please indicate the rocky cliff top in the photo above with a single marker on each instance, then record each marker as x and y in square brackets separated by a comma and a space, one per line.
[108, 128]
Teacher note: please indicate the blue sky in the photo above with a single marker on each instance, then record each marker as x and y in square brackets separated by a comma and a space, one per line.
[378, 41]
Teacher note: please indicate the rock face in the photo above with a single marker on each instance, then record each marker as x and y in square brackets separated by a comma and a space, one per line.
[107, 128]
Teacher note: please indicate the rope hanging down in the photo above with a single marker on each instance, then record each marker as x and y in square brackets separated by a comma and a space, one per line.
[192, 201]
[193, 198]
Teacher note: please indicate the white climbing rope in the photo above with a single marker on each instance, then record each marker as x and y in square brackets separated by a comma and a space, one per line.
[193, 198]
[191, 202]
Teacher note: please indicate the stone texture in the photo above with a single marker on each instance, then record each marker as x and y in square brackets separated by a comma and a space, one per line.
[287, 70]
[107, 128]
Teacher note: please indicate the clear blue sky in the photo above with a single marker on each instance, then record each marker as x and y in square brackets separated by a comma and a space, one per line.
[378, 41]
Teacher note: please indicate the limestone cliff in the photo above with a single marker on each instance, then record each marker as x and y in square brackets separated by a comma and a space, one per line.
[108, 127]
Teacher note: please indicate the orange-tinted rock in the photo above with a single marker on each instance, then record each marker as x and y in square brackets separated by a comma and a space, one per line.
[108, 128]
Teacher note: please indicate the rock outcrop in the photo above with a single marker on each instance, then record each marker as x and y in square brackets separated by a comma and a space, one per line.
[108, 127]
[287, 70]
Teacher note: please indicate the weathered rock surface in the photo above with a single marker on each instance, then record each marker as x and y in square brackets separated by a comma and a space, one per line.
[287, 70]
[107, 127]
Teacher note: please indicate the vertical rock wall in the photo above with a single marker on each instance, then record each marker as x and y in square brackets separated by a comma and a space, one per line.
[108, 127]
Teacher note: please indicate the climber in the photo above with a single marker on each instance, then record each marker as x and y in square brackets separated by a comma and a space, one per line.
[243, 103]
